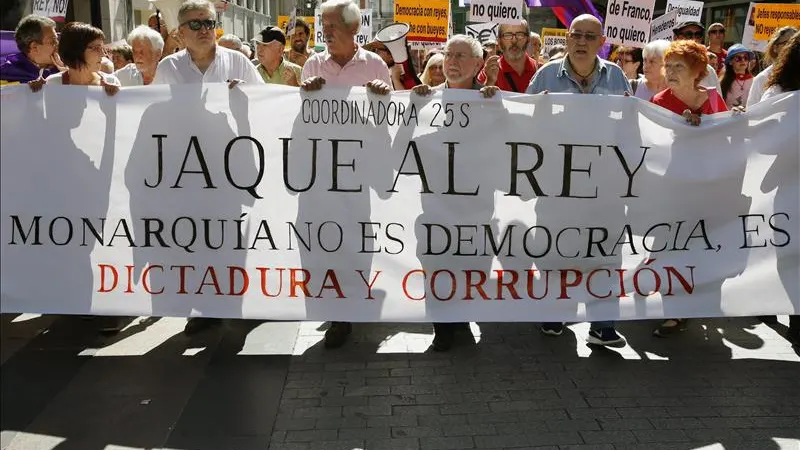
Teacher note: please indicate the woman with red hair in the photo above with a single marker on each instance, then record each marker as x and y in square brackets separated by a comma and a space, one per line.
[685, 65]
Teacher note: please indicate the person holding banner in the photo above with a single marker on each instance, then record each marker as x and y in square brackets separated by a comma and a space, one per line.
[778, 40]
[513, 71]
[38, 56]
[81, 49]
[344, 64]
[737, 79]
[581, 71]
[695, 31]
[148, 46]
[653, 81]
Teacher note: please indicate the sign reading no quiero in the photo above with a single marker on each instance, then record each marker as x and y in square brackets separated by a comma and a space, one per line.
[628, 22]
[496, 11]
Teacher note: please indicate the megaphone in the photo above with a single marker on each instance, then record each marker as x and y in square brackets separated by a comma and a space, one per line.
[394, 38]
[168, 10]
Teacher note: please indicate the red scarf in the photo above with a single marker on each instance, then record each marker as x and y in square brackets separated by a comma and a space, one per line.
[744, 76]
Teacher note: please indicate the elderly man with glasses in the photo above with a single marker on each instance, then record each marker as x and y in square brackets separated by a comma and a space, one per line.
[581, 71]
[513, 70]
[203, 61]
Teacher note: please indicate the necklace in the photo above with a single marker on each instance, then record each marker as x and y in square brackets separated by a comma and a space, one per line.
[584, 79]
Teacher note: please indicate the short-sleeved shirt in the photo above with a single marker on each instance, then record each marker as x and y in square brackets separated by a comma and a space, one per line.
[666, 99]
[361, 69]
[757, 88]
[508, 79]
[277, 76]
[130, 76]
[179, 68]
[19, 69]
[58, 78]
[554, 76]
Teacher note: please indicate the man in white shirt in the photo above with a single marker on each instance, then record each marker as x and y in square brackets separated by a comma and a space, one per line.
[203, 61]
[147, 46]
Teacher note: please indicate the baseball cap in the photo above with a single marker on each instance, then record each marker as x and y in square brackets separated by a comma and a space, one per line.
[270, 34]
[688, 24]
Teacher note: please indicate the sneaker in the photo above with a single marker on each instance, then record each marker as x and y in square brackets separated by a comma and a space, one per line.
[552, 328]
[604, 336]
[337, 334]
[669, 327]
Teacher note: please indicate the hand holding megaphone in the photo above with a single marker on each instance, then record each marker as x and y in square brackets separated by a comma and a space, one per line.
[394, 38]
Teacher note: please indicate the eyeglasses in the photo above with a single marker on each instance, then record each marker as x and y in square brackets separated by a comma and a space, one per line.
[717, 31]
[590, 37]
[519, 35]
[741, 58]
[196, 25]
[95, 47]
[458, 56]
[690, 35]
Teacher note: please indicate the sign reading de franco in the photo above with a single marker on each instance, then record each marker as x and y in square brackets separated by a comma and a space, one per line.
[628, 22]
[428, 20]
[496, 11]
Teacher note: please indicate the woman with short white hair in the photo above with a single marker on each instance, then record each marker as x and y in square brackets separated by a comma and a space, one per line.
[653, 81]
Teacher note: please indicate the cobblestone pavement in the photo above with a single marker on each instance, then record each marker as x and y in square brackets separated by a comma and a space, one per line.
[723, 384]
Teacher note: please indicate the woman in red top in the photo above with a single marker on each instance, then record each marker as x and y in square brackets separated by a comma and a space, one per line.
[685, 65]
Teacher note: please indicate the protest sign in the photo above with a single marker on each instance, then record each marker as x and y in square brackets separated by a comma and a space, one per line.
[429, 20]
[688, 10]
[552, 37]
[771, 16]
[496, 11]
[346, 206]
[628, 22]
[283, 22]
[482, 31]
[55, 9]
[364, 34]
[661, 27]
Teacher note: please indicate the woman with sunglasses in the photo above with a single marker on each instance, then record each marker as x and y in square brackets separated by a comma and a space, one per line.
[630, 60]
[738, 79]
[81, 49]
[778, 40]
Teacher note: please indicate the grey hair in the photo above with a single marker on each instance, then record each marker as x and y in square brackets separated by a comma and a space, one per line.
[351, 14]
[535, 35]
[655, 48]
[232, 38]
[475, 45]
[145, 33]
[29, 31]
[196, 5]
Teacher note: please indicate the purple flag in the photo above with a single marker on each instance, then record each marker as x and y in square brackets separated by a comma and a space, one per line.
[8, 45]
[567, 10]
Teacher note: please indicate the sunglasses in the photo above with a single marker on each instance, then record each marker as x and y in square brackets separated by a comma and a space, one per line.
[196, 25]
[590, 37]
[741, 58]
[690, 35]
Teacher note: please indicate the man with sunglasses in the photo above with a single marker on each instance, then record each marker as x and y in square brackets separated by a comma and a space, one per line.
[513, 70]
[716, 40]
[695, 31]
[203, 61]
[581, 71]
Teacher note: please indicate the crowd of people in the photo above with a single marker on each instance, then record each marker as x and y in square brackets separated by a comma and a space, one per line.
[687, 76]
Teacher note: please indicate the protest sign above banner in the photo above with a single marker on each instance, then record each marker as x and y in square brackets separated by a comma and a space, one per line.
[748, 39]
[347, 206]
[495, 11]
[628, 22]
[283, 22]
[482, 31]
[54, 9]
[688, 10]
[552, 37]
[364, 34]
[429, 20]
[661, 27]
[771, 16]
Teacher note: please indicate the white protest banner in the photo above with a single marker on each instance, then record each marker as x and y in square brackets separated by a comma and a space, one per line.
[338, 205]
[482, 31]
[688, 10]
[496, 11]
[661, 27]
[55, 9]
[628, 22]
[364, 34]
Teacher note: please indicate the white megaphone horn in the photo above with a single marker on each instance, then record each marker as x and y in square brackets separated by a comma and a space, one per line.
[394, 38]
[168, 10]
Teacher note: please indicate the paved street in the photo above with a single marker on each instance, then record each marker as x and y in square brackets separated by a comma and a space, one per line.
[724, 384]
